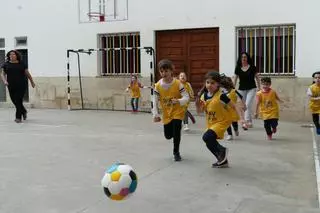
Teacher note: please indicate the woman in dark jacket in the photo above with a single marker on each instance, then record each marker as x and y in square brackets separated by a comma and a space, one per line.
[14, 75]
[249, 82]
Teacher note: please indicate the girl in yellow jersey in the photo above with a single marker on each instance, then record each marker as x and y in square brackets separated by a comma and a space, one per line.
[267, 107]
[314, 100]
[173, 97]
[135, 87]
[217, 107]
[228, 89]
[188, 88]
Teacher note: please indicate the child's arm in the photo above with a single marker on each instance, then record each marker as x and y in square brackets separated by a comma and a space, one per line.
[155, 109]
[257, 106]
[200, 102]
[278, 99]
[191, 92]
[244, 107]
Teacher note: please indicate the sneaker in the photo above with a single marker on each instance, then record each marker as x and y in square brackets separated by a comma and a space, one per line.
[274, 130]
[223, 156]
[236, 133]
[229, 137]
[17, 120]
[186, 128]
[269, 137]
[177, 157]
[318, 131]
[250, 125]
[244, 126]
[225, 164]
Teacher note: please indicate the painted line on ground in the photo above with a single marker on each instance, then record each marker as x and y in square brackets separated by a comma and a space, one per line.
[316, 162]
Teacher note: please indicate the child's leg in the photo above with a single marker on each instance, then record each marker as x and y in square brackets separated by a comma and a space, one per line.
[136, 104]
[132, 103]
[168, 130]
[186, 118]
[315, 118]
[267, 127]
[229, 130]
[210, 138]
[176, 127]
[191, 117]
[235, 127]
[274, 124]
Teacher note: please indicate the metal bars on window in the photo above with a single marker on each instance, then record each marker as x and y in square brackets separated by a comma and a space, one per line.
[272, 48]
[123, 56]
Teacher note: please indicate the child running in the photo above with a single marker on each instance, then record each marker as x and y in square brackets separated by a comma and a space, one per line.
[173, 98]
[217, 107]
[135, 87]
[314, 100]
[267, 107]
[188, 88]
[228, 89]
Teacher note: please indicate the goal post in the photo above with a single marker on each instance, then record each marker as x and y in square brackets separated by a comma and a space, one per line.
[149, 51]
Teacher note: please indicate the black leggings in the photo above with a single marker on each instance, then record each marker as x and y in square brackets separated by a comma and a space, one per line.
[210, 138]
[270, 123]
[315, 118]
[235, 128]
[173, 130]
[16, 95]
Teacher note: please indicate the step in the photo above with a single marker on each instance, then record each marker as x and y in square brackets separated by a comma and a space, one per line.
[10, 105]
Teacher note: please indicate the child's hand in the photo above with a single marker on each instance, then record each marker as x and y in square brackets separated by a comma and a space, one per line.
[156, 119]
[127, 90]
[174, 101]
[244, 108]
[256, 115]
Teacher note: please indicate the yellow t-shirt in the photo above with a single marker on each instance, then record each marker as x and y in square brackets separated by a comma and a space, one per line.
[218, 114]
[314, 105]
[170, 111]
[135, 90]
[233, 97]
[269, 108]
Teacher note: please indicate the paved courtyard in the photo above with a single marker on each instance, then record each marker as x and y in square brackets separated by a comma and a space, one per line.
[53, 163]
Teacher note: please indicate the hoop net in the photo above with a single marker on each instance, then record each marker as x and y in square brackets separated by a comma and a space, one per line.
[97, 16]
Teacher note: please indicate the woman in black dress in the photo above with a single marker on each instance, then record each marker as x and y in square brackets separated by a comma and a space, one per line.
[15, 76]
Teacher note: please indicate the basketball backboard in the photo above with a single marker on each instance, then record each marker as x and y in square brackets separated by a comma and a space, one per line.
[91, 11]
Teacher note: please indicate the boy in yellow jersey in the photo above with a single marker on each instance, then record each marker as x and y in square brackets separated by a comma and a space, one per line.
[135, 86]
[228, 89]
[314, 100]
[217, 107]
[267, 107]
[188, 88]
[173, 98]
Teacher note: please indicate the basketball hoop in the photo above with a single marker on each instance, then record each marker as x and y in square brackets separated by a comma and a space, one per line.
[96, 15]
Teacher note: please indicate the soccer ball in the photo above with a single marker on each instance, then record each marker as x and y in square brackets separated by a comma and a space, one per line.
[119, 181]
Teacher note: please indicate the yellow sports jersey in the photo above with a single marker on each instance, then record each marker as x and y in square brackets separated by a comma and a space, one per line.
[233, 97]
[314, 105]
[218, 114]
[269, 108]
[170, 111]
[135, 90]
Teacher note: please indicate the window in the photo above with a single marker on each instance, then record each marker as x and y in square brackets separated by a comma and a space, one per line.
[121, 61]
[272, 48]
[21, 41]
[2, 43]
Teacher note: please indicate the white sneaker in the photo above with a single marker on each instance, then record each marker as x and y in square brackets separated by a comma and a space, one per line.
[186, 128]
[229, 137]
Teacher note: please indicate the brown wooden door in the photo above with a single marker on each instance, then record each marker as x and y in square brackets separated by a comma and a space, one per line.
[192, 51]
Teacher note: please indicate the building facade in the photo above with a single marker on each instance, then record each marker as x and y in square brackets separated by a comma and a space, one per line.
[281, 36]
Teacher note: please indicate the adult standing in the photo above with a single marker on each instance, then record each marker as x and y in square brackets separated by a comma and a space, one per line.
[248, 77]
[15, 75]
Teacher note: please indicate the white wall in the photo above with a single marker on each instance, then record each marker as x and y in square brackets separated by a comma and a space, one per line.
[52, 27]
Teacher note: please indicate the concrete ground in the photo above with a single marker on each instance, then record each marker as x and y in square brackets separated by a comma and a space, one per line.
[53, 163]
